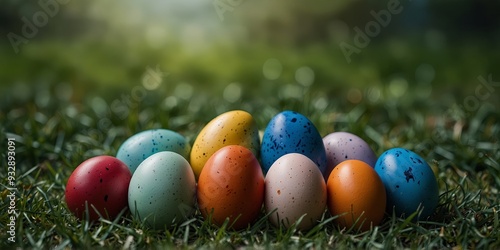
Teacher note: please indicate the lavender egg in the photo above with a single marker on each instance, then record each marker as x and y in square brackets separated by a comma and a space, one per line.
[342, 146]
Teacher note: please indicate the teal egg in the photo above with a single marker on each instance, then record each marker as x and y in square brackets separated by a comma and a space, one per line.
[144, 144]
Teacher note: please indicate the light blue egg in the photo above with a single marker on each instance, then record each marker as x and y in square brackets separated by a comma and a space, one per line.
[409, 182]
[144, 144]
[291, 132]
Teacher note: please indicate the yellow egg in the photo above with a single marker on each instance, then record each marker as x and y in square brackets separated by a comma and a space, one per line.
[231, 128]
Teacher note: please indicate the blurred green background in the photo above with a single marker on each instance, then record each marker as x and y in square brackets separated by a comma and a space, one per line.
[116, 55]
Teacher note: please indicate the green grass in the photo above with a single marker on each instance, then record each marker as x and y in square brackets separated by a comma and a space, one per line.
[53, 137]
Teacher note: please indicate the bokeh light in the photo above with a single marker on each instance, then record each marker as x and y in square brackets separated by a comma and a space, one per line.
[272, 69]
[232, 93]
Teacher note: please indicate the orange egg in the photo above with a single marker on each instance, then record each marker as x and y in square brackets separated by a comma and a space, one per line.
[357, 194]
[231, 185]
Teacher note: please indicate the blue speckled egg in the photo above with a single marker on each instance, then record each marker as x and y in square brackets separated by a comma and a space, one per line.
[291, 132]
[409, 182]
[144, 144]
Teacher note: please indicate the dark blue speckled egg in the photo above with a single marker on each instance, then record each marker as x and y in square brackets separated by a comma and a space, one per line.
[291, 132]
[409, 182]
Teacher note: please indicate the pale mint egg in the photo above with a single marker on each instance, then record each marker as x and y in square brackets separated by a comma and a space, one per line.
[162, 190]
[144, 144]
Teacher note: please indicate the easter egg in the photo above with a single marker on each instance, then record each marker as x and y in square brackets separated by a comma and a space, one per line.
[144, 144]
[291, 132]
[341, 146]
[162, 190]
[295, 187]
[356, 194]
[231, 185]
[409, 182]
[99, 184]
[231, 128]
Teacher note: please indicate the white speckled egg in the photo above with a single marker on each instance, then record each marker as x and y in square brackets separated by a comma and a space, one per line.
[342, 146]
[162, 190]
[295, 186]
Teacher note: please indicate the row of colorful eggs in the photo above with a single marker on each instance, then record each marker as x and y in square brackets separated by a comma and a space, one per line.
[298, 175]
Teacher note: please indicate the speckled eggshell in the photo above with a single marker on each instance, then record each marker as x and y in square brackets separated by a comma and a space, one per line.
[162, 190]
[231, 128]
[409, 182]
[295, 186]
[291, 132]
[231, 185]
[342, 146]
[144, 144]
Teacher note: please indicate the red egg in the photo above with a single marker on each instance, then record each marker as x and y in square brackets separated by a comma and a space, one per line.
[101, 182]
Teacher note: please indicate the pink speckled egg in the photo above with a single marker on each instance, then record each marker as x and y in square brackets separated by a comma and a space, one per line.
[294, 186]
